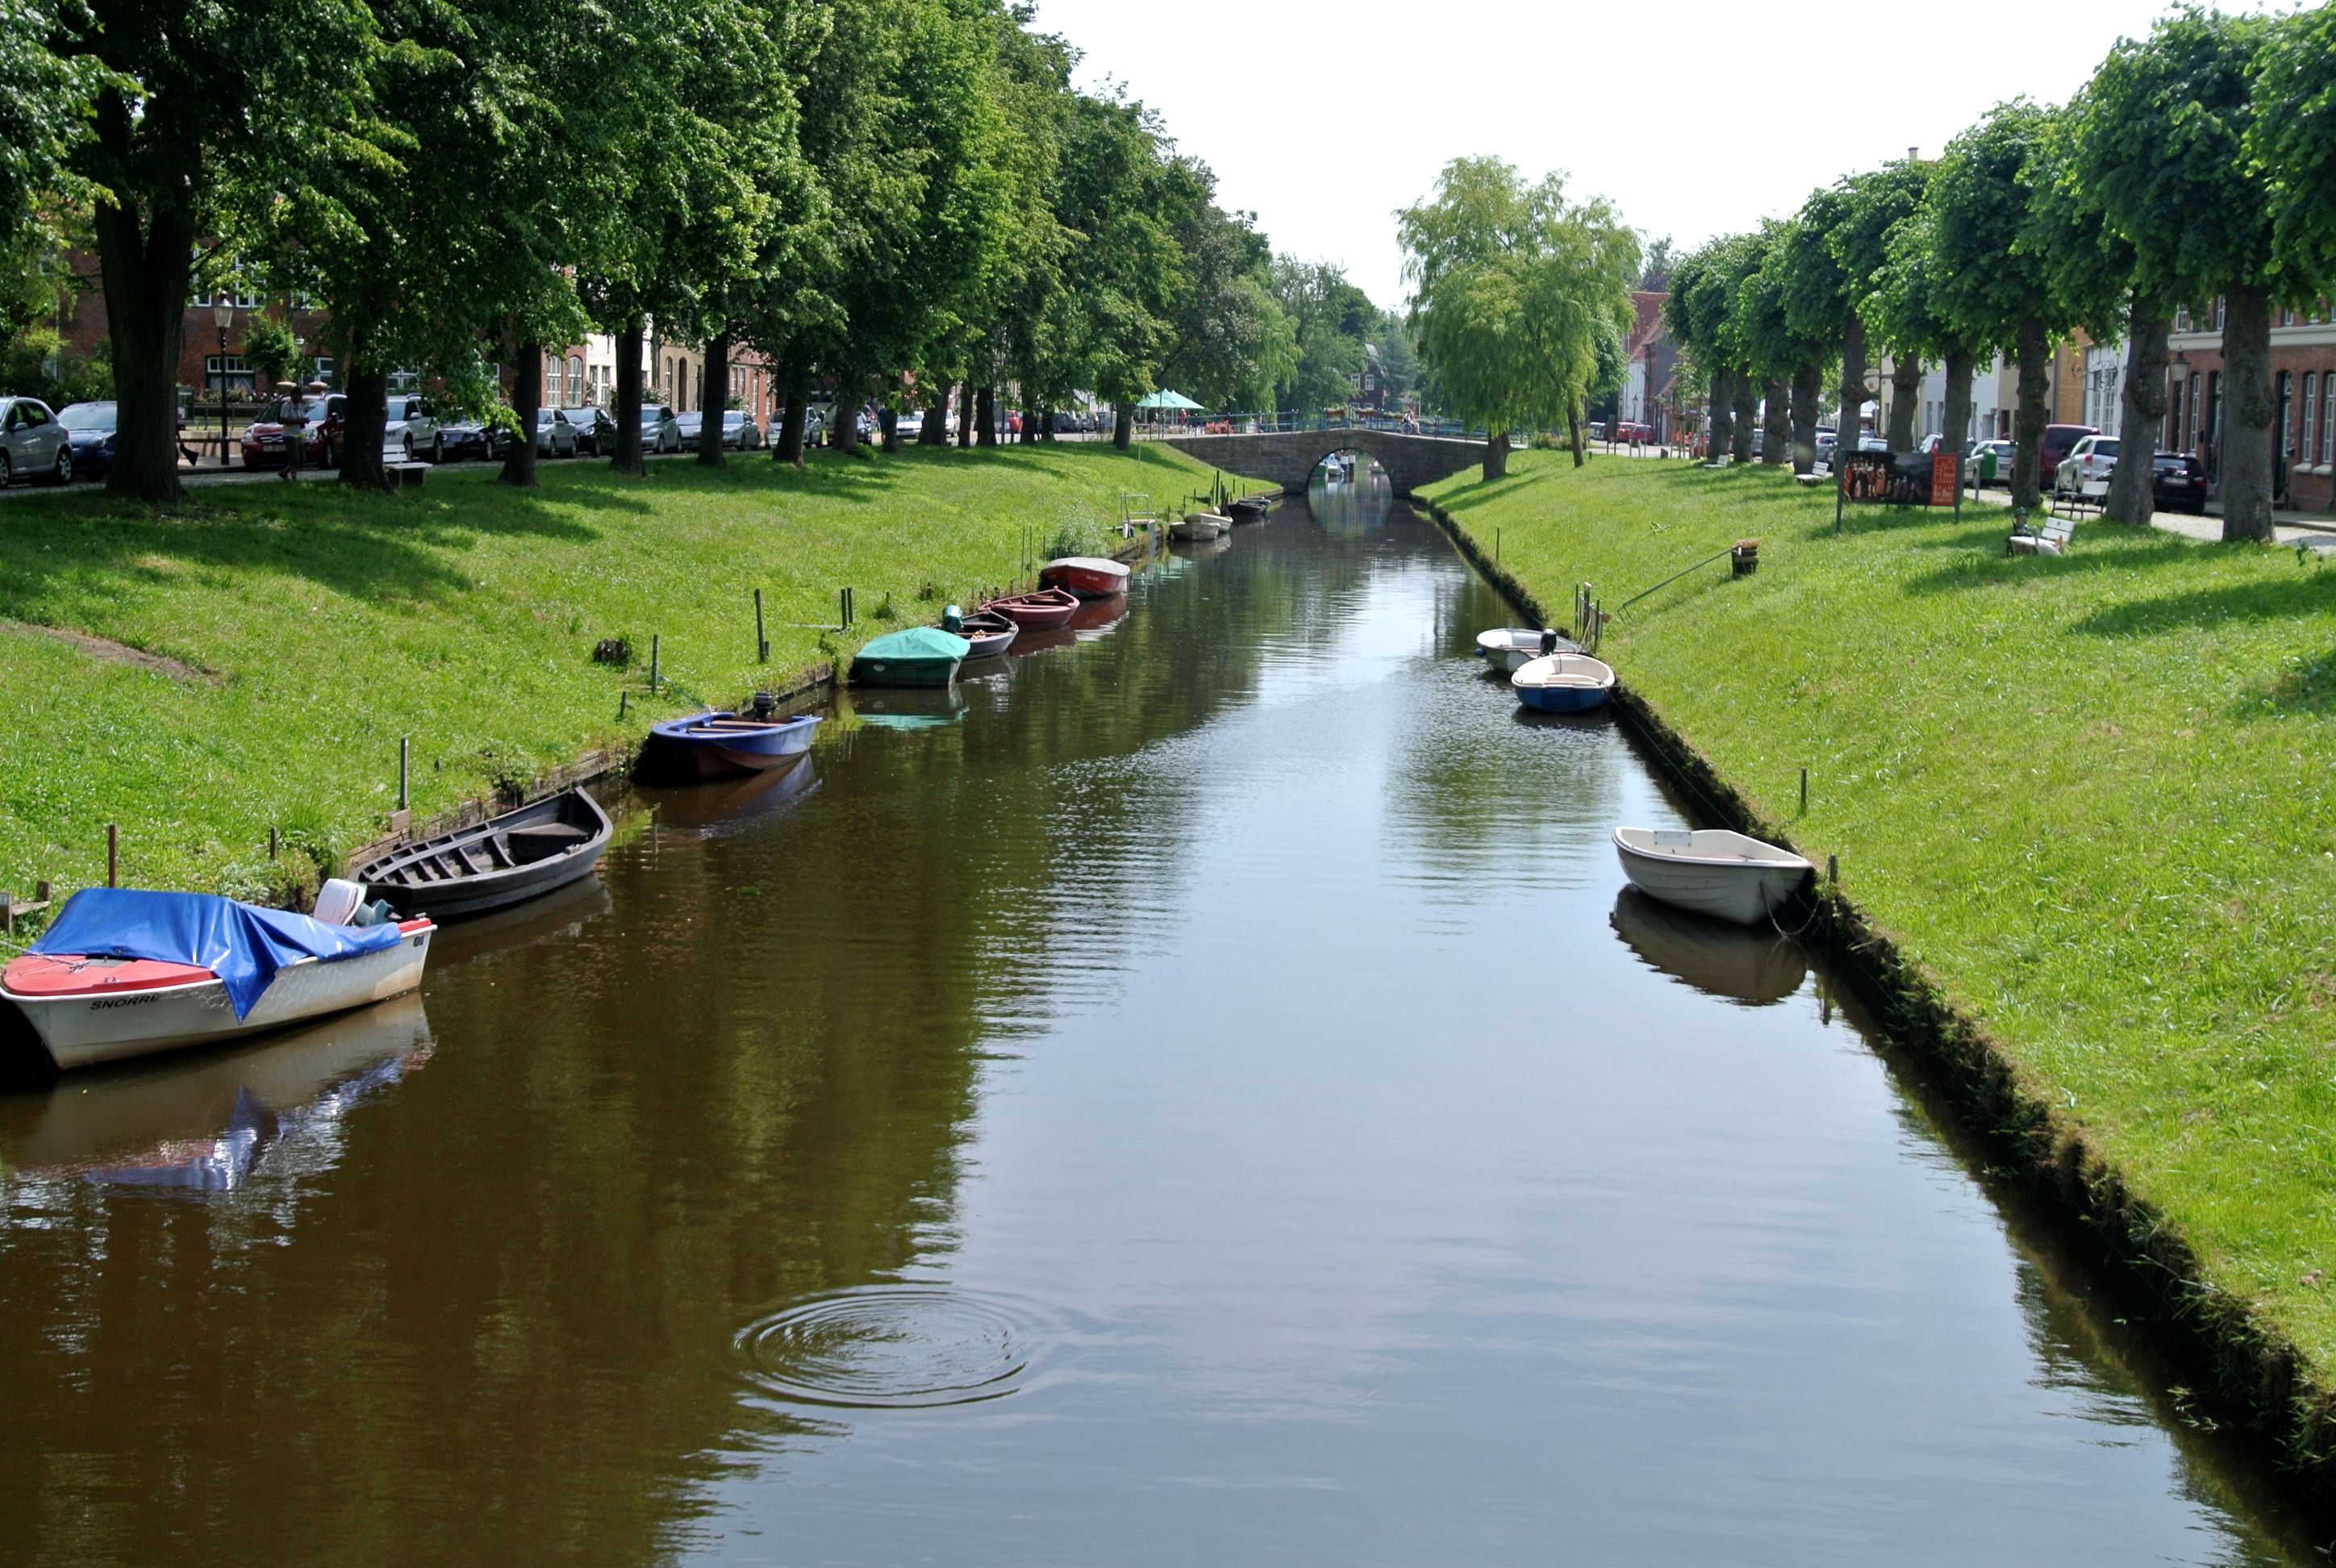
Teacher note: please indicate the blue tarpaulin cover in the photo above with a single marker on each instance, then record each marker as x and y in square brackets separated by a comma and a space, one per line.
[240, 943]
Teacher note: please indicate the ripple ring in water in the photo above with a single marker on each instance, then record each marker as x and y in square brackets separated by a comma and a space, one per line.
[911, 1347]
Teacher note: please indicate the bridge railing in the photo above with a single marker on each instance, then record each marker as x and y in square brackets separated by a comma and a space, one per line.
[1271, 422]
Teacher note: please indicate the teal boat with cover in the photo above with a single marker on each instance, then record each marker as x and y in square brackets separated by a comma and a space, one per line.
[923, 656]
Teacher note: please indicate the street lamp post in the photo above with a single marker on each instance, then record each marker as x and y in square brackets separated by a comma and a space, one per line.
[223, 313]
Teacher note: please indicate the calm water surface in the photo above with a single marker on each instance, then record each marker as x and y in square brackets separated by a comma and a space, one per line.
[1197, 1096]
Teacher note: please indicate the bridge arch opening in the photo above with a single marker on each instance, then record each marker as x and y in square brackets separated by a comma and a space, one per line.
[1347, 465]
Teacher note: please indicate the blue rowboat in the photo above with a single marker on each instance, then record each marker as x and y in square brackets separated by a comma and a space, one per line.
[923, 656]
[710, 744]
[1562, 683]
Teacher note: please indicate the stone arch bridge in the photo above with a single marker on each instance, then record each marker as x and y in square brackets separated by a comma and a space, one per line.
[1289, 457]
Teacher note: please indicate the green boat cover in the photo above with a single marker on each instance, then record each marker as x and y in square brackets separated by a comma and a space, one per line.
[919, 642]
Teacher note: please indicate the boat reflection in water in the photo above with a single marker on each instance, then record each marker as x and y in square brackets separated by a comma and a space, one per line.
[716, 811]
[908, 707]
[559, 916]
[1097, 616]
[1038, 642]
[208, 1121]
[1757, 968]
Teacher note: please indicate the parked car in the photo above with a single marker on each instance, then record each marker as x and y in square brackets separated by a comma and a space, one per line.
[660, 431]
[554, 436]
[2178, 482]
[2091, 461]
[468, 439]
[1635, 433]
[596, 431]
[325, 426]
[739, 433]
[911, 424]
[2059, 441]
[90, 426]
[2001, 452]
[32, 441]
[689, 427]
[412, 430]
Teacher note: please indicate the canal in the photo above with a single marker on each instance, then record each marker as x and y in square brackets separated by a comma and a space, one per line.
[1198, 1096]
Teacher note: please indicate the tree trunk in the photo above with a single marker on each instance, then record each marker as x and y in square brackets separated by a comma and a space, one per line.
[1747, 405]
[1029, 427]
[1720, 414]
[2034, 359]
[1905, 392]
[1046, 425]
[1808, 386]
[789, 447]
[888, 425]
[147, 276]
[365, 424]
[1776, 425]
[985, 415]
[936, 430]
[2245, 430]
[527, 396]
[965, 415]
[1955, 432]
[1496, 456]
[628, 456]
[1573, 429]
[714, 400]
[1123, 426]
[2141, 412]
[1850, 424]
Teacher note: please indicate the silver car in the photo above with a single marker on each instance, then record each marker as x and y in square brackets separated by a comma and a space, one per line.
[32, 442]
[412, 430]
[661, 431]
[554, 436]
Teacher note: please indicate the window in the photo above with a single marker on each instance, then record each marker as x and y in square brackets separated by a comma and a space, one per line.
[324, 371]
[2327, 422]
[227, 371]
[2182, 319]
[2310, 417]
[2283, 388]
[2192, 444]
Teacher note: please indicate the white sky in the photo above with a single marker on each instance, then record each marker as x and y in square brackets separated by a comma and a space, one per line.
[1324, 118]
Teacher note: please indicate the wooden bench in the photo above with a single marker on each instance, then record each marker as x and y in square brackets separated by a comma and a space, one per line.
[2090, 498]
[2052, 540]
[407, 475]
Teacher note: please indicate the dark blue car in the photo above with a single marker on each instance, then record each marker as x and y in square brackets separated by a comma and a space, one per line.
[90, 426]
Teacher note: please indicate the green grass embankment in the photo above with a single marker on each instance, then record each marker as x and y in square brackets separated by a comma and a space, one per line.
[2090, 797]
[295, 632]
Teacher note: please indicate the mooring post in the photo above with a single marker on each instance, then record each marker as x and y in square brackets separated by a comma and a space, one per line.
[653, 663]
[762, 643]
[623, 697]
[113, 855]
[272, 844]
[404, 764]
[1805, 792]
[1496, 547]
[1833, 868]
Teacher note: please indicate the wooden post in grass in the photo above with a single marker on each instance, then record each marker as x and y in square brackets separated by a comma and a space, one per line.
[113, 855]
[762, 643]
[1805, 792]
[653, 663]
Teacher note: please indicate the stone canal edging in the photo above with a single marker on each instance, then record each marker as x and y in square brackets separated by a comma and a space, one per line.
[2243, 1372]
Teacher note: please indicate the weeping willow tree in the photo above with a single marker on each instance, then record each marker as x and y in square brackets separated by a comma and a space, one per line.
[1513, 289]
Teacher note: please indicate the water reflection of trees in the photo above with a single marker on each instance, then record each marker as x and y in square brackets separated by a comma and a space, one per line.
[507, 1312]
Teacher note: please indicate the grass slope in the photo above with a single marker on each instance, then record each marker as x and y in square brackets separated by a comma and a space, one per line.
[313, 626]
[2089, 794]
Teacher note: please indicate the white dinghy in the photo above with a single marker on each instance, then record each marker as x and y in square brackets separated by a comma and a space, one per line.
[1711, 870]
[1509, 649]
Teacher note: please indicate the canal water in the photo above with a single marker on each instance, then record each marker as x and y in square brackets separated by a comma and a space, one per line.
[1199, 1095]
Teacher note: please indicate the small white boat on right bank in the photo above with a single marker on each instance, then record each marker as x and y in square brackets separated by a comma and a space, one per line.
[1711, 870]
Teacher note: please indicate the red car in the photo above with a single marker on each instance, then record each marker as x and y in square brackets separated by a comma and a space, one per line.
[2058, 441]
[326, 415]
[1633, 433]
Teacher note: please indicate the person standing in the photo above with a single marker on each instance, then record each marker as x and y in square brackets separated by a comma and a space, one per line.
[293, 417]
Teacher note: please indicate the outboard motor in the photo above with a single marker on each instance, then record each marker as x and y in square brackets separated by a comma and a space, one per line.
[952, 620]
[1548, 641]
[765, 704]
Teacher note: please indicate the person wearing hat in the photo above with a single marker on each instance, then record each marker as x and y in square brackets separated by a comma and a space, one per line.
[291, 413]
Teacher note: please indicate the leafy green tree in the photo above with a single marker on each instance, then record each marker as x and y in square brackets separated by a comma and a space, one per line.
[1233, 341]
[46, 106]
[2165, 152]
[1332, 320]
[1511, 282]
[1702, 300]
[1117, 199]
[2292, 141]
[1992, 284]
[201, 113]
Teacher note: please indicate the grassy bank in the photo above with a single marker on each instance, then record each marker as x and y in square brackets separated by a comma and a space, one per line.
[2088, 796]
[251, 657]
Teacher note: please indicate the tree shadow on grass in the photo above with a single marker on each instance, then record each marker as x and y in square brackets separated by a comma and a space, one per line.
[2305, 684]
[2204, 610]
[1480, 492]
[1985, 564]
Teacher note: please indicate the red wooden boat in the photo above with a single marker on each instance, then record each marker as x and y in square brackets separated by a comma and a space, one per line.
[1088, 576]
[1044, 611]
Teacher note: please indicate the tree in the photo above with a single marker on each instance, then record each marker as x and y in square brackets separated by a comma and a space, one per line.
[203, 111]
[46, 105]
[2292, 140]
[1855, 215]
[1655, 270]
[1993, 284]
[2092, 267]
[1233, 341]
[1330, 323]
[2168, 122]
[1702, 296]
[1511, 283]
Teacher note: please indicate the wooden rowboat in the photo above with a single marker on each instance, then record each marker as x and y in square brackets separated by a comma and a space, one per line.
[1048, 609]
[503, 861]
[1088, 576]
[990, 634]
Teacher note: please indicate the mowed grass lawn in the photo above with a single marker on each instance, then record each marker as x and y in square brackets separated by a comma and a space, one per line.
[2090, 795]
[315, 627]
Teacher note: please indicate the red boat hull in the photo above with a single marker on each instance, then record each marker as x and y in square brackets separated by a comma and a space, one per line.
[1048, 609]
[1089, 577]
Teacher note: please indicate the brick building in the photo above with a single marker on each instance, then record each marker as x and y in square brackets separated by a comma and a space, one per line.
[2302, 373]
